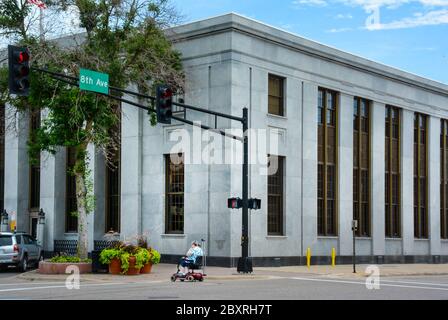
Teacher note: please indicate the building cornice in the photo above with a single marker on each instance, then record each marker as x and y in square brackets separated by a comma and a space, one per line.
[236, 23]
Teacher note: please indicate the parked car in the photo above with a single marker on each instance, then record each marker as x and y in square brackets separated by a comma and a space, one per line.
[19, 249]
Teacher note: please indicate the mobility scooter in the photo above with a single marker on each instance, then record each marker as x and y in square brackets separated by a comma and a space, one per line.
[196, 272]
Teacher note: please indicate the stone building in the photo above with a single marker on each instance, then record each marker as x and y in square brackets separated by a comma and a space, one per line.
[356, 140]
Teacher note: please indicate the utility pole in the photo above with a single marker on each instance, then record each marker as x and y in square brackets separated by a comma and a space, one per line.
[245, 263]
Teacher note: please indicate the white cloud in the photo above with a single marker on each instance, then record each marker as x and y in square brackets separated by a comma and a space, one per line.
[338, 30]
[435, 17]
[344, 16]
[314, 3]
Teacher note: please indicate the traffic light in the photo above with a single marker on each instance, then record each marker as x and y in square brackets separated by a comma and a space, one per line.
[164, 103]
[19, 70]
[254, 204]
[234, 203]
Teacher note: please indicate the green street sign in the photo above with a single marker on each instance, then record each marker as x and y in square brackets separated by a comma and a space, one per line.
[93, 81]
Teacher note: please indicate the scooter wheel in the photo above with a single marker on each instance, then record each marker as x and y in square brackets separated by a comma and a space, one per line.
[173, 278]
[201, 279]
[190, 278]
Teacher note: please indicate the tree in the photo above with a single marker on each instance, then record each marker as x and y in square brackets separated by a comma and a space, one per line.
[123, 38]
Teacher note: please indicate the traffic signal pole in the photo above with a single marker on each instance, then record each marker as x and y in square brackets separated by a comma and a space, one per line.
[244, 262]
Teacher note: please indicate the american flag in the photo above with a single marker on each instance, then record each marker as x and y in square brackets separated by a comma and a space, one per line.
[38, 3]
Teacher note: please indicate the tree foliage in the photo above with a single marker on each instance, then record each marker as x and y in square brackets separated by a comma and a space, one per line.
[123, 38]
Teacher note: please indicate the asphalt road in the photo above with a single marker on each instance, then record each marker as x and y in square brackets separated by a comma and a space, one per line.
[285, 287]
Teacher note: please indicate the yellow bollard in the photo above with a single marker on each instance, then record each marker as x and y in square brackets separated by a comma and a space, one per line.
[308, 257]
[333, 257]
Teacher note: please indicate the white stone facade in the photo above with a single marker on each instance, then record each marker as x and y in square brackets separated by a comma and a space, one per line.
[227, 60]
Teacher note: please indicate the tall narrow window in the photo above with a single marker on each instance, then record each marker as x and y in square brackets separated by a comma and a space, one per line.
[420, 177]
[444, 180]
[2, 158]
[275, 95]
[113, 183]
[392, 178]
[34, 200]
[361, 166]
[71, 206]
[174, 208]
[326, 168]
[275, 195]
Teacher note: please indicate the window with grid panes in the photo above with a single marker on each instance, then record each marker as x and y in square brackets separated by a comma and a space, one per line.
[275, 95]
[113, 184]
[34, 186]
[326, 168]
[361, 166]
[2, 158]
[275, 195]
[392, 176]
[444, 179]
[174, 209]
[420, 177]
[71, 206]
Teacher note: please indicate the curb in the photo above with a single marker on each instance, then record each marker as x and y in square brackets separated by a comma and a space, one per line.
[34, 276]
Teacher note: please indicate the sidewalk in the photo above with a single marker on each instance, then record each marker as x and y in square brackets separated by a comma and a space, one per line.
[163, 272]
[160, 273]
[386, 270]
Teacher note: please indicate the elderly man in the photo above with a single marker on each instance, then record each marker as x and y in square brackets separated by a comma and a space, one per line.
[190, 258]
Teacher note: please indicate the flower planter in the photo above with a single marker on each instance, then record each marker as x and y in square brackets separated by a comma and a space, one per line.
[132, 269]
[146, 268]
[115, 266]
[46, 267]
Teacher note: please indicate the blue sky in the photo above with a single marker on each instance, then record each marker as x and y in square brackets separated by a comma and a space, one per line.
[411, 35]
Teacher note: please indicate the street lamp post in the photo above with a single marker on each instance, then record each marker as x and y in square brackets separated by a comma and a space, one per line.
[4, 221]
[41, 227]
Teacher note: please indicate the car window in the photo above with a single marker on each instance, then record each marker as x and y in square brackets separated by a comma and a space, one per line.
[5, 241]
[19, 239]
[26, 239]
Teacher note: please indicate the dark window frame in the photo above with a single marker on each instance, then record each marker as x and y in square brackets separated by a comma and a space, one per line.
[421, 228]
[392, 172]
[113, 183]
[2, 158]
[444, 179]
[276, 190]
[174, 223]
[361, 172]
[34, 168]
[280, 97]
[71, 222]
[327, 193]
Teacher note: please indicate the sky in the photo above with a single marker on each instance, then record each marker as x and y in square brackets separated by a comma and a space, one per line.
[411, 35]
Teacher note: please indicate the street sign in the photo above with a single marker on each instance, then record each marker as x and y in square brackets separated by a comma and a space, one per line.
[93, 81]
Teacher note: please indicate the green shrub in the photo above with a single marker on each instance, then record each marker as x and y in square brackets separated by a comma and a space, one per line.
[69, 259]
[155, 256]
[107, 255]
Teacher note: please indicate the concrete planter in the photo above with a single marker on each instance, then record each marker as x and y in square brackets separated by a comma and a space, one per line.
[46, 267]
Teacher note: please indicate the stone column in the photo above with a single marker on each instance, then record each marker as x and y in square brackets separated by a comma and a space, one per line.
[407, 181]
[52, 195]
[131, 169]
[309, 167]
[345, 173]
[434, 184]
[377, 185]
[16, 167]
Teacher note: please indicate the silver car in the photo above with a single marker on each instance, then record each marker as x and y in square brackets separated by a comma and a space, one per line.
[19, 249]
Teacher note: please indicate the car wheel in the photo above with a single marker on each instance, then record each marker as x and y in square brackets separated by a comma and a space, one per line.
[24, 264]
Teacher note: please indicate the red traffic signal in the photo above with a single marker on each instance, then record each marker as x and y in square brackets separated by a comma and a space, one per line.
[234, 203]
[19, 70]
[164, 103]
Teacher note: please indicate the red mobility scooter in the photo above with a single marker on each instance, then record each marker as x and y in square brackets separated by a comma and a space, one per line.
[196, 272]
